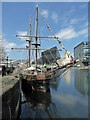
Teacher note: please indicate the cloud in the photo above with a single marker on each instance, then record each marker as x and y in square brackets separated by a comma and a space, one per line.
[69, 33]
[69, 99]
[66, 18]
[84, 6]
[71, 10]
[7, 45]
[69, 18]
[0, 36]
[83, 32]
[86, 35]
[86, 24]
[74, 21]
[22, 33]
[23, 45]
[10, 45]
[55, 17]
[78, 20]
[44, 13]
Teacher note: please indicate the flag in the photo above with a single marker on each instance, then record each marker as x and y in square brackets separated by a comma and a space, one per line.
[68, 53]
[59, 42]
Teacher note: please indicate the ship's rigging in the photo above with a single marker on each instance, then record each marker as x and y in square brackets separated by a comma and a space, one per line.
[36, 40]
[36, 44]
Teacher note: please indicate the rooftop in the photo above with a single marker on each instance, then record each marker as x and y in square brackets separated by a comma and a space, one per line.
[81, 43]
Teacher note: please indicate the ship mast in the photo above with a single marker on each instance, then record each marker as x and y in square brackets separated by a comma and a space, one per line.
[36, 36]
[29, 41]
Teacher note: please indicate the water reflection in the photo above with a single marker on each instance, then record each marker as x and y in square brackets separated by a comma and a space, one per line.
[67, 97]
[69, 101]
[68, 77]
[39, 105]
[81, 81]
[54, 83]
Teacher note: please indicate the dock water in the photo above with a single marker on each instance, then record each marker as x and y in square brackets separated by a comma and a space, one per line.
[67, 97]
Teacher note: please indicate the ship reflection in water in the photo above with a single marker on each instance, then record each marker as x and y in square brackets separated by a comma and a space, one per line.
[38, 104]
[67, 97]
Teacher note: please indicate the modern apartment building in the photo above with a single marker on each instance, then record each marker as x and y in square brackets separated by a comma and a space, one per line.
[82, 52]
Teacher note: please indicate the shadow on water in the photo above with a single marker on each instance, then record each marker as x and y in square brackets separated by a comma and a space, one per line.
[37, 104]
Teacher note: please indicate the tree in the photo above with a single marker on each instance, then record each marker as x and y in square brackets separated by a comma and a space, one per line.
[2, 51]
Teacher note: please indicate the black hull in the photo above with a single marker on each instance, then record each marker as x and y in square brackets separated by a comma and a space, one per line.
[35, 85]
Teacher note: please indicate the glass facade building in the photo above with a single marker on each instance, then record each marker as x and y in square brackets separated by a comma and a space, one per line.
[82, 52]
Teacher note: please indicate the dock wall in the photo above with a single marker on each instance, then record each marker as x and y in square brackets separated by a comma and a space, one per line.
[10, 96]
[10, 102]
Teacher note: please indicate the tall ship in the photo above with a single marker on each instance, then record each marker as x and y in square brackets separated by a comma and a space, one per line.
[35, 77]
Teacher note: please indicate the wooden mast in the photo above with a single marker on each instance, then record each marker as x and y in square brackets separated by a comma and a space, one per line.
[29, 41]
[35, 49]
[36, 36]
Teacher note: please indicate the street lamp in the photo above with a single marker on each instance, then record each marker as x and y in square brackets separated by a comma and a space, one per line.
[7, 61]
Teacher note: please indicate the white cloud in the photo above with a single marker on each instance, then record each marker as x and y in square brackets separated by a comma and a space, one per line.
[71, 10]
[65, 19]
[69, 33]
[22, 33]
[74, 21]
[69, 99]
[84, 6]
[83, 32]
[10, 45]
[7, 45]
[86, 24]
[68, 18]
[55, 17]
[44, 13]
[86, 36]
[23, 45]
[78, 20]
[0, 36]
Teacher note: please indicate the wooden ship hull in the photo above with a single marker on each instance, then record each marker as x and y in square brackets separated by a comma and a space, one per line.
[40, 82]
[35, 82]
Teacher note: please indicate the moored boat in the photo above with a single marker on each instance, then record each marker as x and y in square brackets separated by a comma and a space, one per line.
[34, 77]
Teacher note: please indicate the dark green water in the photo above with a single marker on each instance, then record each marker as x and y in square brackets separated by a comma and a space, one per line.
[67, 98]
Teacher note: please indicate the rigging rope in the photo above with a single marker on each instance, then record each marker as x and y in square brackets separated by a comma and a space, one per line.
[54, 34]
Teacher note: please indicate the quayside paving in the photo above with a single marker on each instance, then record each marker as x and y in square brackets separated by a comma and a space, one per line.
[10, 95]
